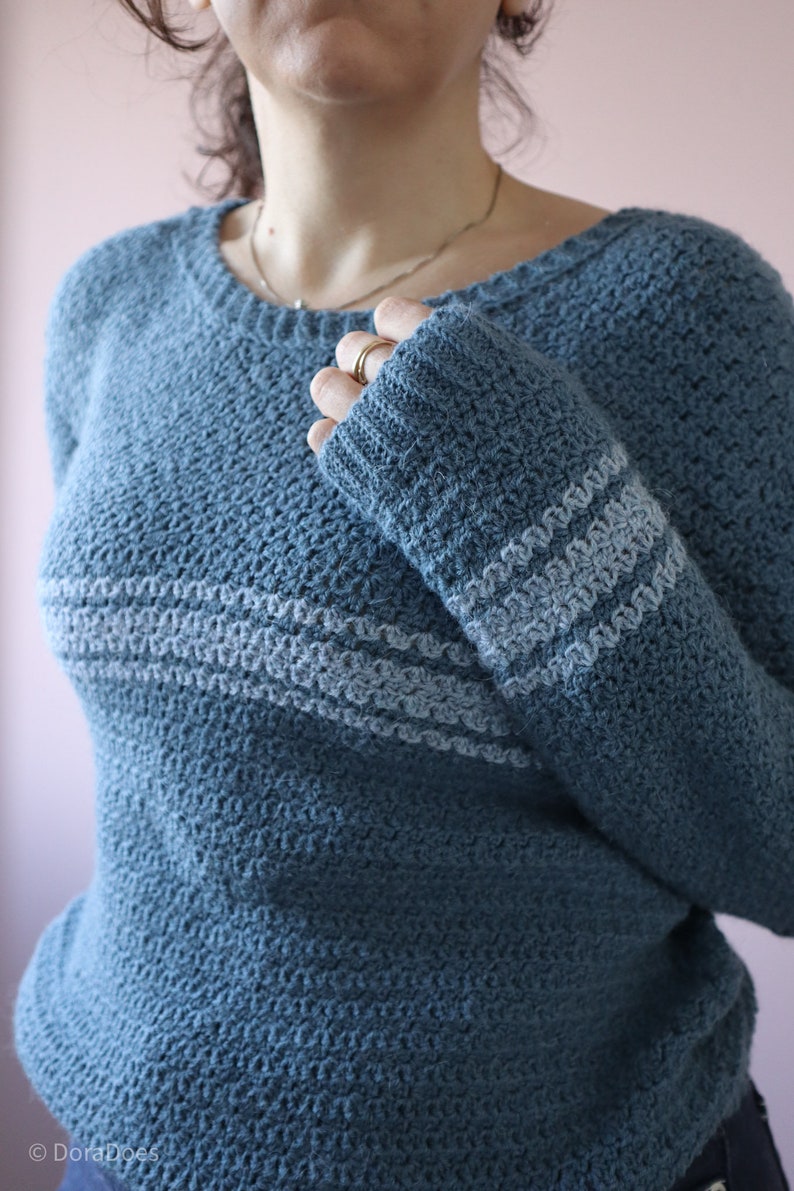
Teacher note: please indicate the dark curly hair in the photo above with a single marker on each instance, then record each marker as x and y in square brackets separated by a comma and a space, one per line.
[220, 84]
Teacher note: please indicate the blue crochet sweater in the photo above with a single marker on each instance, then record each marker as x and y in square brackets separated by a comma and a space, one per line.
[422, 765]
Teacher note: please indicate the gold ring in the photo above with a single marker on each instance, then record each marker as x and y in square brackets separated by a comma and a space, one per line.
[358, 373]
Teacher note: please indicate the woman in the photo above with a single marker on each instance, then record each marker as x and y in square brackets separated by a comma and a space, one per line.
[430, 732]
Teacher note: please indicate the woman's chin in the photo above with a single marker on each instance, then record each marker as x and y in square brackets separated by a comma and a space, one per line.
[340, 65]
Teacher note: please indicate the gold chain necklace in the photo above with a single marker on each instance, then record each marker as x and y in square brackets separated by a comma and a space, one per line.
[300, 304]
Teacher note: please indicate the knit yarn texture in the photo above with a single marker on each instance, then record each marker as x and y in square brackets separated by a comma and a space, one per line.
[422, 766]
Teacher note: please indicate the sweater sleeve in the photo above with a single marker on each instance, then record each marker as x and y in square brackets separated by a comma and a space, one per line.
[505, 485]
[76, 308]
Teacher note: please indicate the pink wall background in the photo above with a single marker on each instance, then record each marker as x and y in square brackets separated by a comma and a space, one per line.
[675, 105]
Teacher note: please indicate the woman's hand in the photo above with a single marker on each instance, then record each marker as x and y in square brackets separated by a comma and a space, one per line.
[333, 390]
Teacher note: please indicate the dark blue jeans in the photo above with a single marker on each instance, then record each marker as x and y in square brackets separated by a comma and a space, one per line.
[83, 1174]
[741, 1156]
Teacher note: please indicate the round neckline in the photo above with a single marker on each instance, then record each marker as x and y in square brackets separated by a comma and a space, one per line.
[198, 250]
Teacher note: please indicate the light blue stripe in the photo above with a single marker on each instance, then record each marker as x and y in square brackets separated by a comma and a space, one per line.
[249, 599]
[344, 673]
[540, 606]
[602, 638]
[238, 686]
[516, 555]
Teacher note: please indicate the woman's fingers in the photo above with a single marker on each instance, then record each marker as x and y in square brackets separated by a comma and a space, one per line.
[318, 433]
[333, 390]
[397, 318]
[349, 346]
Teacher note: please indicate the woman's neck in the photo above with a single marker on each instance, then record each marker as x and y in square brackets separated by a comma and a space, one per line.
[353, 195]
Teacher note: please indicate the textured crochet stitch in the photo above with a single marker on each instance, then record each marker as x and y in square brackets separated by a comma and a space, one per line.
[422, 766]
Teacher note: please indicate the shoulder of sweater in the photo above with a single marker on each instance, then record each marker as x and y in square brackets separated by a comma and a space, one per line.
[697, 256]
[671, 276]
[111, 272]
[712, 309]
